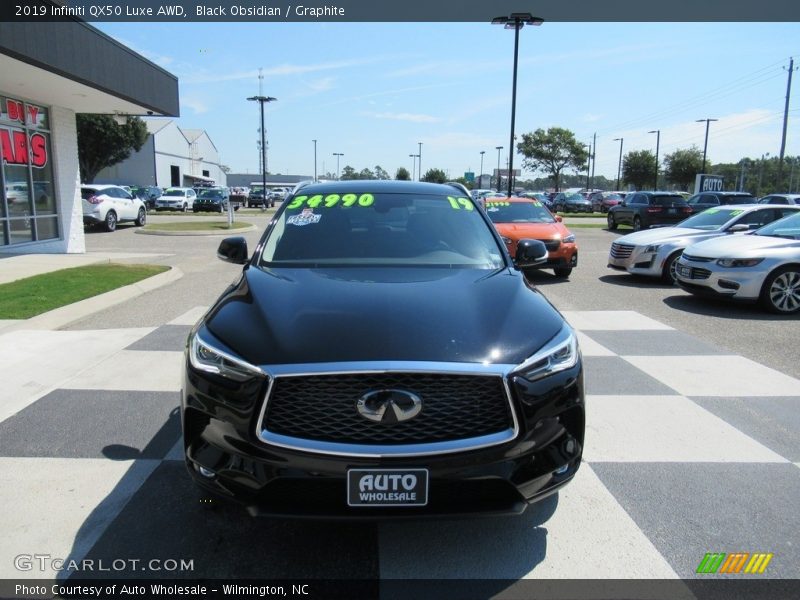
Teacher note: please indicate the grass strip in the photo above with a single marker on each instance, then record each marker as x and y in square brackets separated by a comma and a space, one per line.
[26, 298]
[197, 226]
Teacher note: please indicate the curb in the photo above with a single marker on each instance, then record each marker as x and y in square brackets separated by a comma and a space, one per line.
[179, 233]
[59, 317]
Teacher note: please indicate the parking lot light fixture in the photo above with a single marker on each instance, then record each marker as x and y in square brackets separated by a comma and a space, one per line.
[262, 100]
[515, 21]
[337, 155]
[658, 140]
[619, 165]
[705, 145]
[499, 177]
[413, 158]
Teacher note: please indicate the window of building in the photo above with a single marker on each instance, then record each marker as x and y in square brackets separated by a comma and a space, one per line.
[28, 207]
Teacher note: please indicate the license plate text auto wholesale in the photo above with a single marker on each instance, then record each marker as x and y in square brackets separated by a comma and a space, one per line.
[387, 487]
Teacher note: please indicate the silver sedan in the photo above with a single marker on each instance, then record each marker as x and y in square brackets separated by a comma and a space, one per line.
[654, 252]
[763, 266]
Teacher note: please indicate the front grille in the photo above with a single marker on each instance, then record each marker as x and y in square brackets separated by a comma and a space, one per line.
[700, 259]
[323, 408]
[551, 245]
[700, 273]
[621, 250]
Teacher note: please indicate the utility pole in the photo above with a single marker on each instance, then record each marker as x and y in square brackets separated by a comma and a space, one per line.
[594, 156]
[785, 122]
[588, 167]
[419, 167]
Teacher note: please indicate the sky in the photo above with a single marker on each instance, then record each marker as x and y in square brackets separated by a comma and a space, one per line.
[374, 91]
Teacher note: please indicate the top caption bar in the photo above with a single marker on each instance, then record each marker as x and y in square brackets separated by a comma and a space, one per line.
[478, 11]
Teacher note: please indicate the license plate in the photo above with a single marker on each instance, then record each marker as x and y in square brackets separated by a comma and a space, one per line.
[672, 211]
[387, 487]
[685, 271]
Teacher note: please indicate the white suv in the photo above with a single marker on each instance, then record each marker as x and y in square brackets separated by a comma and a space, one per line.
[177, 198]
[109, 205]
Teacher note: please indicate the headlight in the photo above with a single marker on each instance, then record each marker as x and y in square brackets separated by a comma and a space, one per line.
[205, 357]
[506, 240]
[739, 262]
[569, 239]
[559, 354]
[652, 248]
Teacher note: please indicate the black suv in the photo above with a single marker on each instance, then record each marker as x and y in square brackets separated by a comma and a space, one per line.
[643, 210]
[703, 200]
[381, 355]
[147, 194]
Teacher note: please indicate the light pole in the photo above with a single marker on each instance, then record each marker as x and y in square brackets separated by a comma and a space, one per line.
[315, 160]
[515, 21]
[499, 177]
[480, 175]
[705, 145]
[588, 166]
[337, 155]
[413, 158]
[761, 172]
[419, 162]
[262, 100]
[619, 165]
[658, 140]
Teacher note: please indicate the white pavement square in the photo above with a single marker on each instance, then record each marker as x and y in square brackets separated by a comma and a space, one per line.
[156, 371]
[190, 317]
[61, 506]
[574, 542]
[664, 429]
[591, 348]
[611, 320]
[716, 376]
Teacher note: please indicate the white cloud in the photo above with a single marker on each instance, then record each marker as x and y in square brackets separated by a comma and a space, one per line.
[196, 105]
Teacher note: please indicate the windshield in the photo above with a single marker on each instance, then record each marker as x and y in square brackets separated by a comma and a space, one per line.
[210, 194]
[668, 201]
[575, 198]
[173, 193]
[787, 227]
[381, 229]
[710, 220]
[518, 212]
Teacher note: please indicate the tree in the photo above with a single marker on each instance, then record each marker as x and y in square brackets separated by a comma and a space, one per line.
[102, 142]
[348, 173]
[366, 174]
[639, 168]
[380, 173]
[682, 166]
[552, 151]
[434, 176]
[402, 174]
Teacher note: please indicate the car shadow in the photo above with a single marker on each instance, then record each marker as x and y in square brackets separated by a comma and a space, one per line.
[636, 281]
[722, 309]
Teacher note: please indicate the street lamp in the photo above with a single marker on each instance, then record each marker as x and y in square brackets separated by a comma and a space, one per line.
[262, 100]
[413, 158]
[419, 163]
[499, 177]
[315, 160]
[480, 175]
[705, 146]
[619, 165]
[658, 140]
[515, 21]
[337, 155]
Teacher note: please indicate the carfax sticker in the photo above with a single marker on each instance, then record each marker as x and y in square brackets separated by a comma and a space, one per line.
[307, 217]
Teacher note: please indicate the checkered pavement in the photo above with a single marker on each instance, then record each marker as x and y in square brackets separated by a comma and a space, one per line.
[688, 450]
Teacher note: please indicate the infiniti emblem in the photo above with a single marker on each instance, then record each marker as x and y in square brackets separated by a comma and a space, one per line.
[389, 406]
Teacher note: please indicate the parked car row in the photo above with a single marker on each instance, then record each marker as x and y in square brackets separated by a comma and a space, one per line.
[748, 252]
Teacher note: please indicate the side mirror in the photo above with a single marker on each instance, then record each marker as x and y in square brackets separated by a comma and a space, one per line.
[739, 227]
[530, 253]
[233, 250]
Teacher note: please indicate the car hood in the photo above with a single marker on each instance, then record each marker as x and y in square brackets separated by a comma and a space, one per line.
[744, 246]
[663, 235]
[286, 316]
[539, 231]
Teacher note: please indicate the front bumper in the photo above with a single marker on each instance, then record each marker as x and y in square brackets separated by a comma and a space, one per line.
[171, 205]
[639, 262]
[220, 422]
[208, 207]
[711, 280]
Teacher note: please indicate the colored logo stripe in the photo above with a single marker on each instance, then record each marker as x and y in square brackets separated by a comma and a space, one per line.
[758, 564]
[720, 562]
[711, 562]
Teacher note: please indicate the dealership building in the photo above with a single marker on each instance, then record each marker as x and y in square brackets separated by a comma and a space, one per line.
[48, 73]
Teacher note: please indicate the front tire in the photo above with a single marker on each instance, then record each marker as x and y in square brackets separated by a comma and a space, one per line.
[781, 291]
[111, 221]
[563, 272]
[185, 207]
[669, 273]
[637, 224]
[142, 218]
[612, 222]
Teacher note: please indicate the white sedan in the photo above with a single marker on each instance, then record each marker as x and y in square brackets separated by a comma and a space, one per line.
[761, 267]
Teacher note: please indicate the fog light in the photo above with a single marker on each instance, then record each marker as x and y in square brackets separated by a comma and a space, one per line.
[206, 472]
[728, 285]
[570, 447]
[562, 470]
